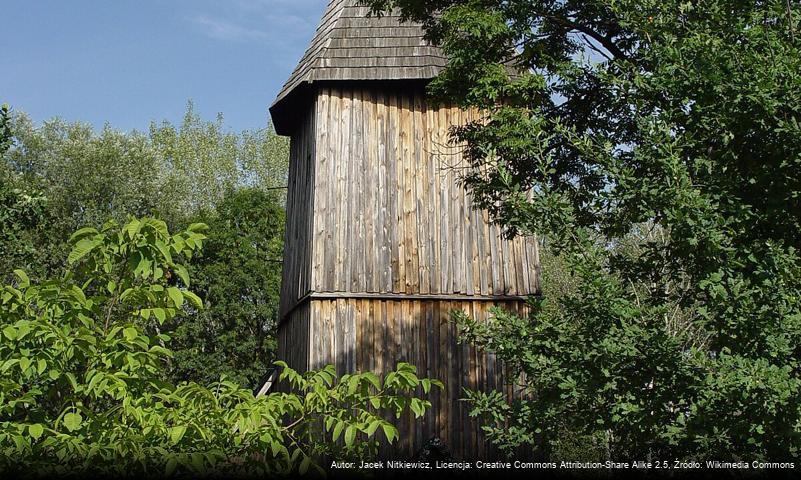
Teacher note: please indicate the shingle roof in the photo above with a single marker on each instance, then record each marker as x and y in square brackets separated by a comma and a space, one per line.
[349, 45]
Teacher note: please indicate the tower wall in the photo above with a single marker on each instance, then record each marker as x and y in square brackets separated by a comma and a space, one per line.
[382, 243]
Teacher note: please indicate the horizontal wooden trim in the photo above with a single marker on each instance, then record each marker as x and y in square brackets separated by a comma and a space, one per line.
[443, 297]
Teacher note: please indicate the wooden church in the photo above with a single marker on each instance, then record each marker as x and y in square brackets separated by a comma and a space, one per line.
[382, 242]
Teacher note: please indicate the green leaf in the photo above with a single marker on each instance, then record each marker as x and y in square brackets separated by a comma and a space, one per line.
[72, 421]
[337, 430]
[81, 249]
[132, 228]
[159, 314]
[426, 385]
[373, 427]
[36, 430]
[177, 433]
[350, 435]
[196, 301]
[176, 296]
[24, 363]
[24, 281]
[83, 232]
[10, 332]
[389, 431]
[71, 379]
[130, 333]
[180, 270]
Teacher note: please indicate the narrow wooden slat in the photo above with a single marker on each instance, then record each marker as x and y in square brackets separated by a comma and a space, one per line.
[346, 224]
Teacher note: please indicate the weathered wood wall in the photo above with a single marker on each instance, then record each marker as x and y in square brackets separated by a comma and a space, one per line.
[361, 334]
[389, 214]
[382, 242]
[387, 211]
[296, 275]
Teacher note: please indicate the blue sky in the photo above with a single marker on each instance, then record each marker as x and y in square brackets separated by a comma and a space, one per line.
[129, 62]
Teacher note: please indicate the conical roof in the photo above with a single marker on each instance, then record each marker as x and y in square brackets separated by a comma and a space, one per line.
[349, 45]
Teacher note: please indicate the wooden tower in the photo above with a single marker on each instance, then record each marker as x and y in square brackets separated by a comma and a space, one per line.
[381, 240]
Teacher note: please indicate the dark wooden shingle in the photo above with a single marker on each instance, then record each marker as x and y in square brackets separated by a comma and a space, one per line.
[350, 45]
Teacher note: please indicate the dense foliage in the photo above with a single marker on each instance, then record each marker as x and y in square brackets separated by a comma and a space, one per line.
[82, 362]
[59, 176]
[89, 177]
[656, 146]
[238, 275]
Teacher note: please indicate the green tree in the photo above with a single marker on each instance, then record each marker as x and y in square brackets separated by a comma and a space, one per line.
[656, 145]
[6, 136]
[61, 175]
[81, 370]
[239, 276]
[176, 171]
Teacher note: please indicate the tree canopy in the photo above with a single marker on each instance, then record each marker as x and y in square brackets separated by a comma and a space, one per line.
[59, 176]
[656, 148]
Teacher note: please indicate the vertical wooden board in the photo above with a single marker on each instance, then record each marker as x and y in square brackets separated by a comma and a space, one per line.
[382, 337]
[479, 253]
[391, 335]
[449, 402]
[320, 203]
[437, 354]
[345, 193]
[322, 339]
[417, 219]
[505, 260]
[477, 250]
[337, 325]
[298, 242]
[371, 310]
[318, 340]
[446, 237]
[384, 186]
[355, 216]
[328, 284]
[454, 211]
[306, 234]
[286, 274]
[393, 185]
[351, 335]
[429, 341]
[455, 379]
[418, 344]
[475, 376]
[331, 354]
[486, 259]
[404, 194]
[359, 343]
[404, 356]
[520, 266]
[431, 198]
[369, 187]
[313, 334]
[423, 189]
[525, 267]
[534, 265]
[495, 259]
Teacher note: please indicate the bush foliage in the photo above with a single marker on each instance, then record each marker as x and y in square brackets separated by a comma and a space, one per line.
[83, 359]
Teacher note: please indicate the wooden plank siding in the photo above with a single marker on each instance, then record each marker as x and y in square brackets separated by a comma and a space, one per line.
[383, 243]
[299, 234]
[360, 335]
[384, 146]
